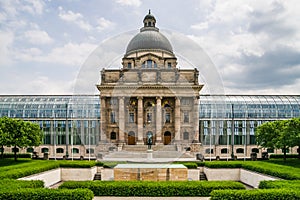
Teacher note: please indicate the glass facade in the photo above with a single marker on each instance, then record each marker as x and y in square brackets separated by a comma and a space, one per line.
[223, 120]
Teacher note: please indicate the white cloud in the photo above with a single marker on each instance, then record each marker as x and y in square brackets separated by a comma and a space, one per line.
[33, 6]
[38, 37]
[135, 3]
[6, 40]
[76, 18]
[104, 24]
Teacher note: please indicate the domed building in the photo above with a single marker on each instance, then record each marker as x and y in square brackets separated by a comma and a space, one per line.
[149, 100]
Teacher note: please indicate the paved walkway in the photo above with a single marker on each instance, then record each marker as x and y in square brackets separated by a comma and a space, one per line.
[151, 198]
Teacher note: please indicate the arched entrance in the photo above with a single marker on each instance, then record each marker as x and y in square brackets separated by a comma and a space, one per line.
[131, 138]
[167, 138]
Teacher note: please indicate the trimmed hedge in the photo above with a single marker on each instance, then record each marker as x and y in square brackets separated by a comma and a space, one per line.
[269, 194]
[77, 164]
[19, 155]
[18, 171]
[279, 184]
[189, 165]
[276, 156]
[10, 184]
[37, 194]
[152, 189]
[223, 164]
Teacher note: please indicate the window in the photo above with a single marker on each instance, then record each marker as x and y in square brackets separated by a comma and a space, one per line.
[149, 64]
[45, 150]
[59, 150]
[186, 136]
[270, 150]
[149, 117]
[29, 150]
[239, 150]
[112, 117]
[90, 151]
[186, 117]
[75, 150]
[129, 65]
[113, 135]
[207, 151]
[168, 118]
[225, 150]
[169, 65]
[131, 117]
[255, 150]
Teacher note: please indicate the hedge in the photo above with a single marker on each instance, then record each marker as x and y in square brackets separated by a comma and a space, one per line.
[25, 170]
[76, 164]
[223, 164]
[37, 194]
[152, 189]
[279, 184]
[10, 184]
[19, 155]
[276, 156]
[269, 194]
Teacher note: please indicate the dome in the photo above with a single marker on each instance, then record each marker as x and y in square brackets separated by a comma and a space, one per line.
[149, 38]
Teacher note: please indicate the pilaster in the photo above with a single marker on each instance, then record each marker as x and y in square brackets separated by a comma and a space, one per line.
[158, 120]
[140, 120]
[121, 120]
[177, 119]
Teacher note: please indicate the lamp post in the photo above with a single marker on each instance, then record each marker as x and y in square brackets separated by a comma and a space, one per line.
[232, 132]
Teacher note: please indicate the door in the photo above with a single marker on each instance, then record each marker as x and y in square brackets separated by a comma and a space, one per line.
[131, 138]
[167, 138]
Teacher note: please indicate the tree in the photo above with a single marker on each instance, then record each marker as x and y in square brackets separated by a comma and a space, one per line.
[21, 134]
[278, 134]
[294, 131]
[3, 134]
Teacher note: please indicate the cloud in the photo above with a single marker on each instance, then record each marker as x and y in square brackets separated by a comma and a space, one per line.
[33, 6]
[104, 24]
[38, 37]
[135, 3]
[76, 18]
[6, 41]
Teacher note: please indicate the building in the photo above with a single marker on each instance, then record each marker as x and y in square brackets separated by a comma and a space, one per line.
[149, 100]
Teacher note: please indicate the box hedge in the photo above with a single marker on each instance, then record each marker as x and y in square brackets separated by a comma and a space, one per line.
[150, 188]
[277, 156]
[37, 194]
[265, 194]
[279, 184]
[10, 184]
[19, 155]
[77, 164]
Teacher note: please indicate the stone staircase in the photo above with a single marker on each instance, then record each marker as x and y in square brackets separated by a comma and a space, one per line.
[97, 176]
[202, 176]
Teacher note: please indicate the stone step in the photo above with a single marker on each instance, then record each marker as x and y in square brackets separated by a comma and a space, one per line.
[97, 177]
[144, 148]
[202, 176]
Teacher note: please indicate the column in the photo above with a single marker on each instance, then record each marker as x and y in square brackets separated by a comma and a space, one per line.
[158, 120]
[102, 120]
[196, 119]
[121, 120]
[140, 120]
[177, 119]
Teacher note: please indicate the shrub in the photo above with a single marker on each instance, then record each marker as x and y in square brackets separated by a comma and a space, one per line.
[281, 156]
[19, 155]
[10, 184]
[76, 164]
[37, 194]
[279, 184]
[270, 194]
[150, 188]
[222, 164]
[189, 165]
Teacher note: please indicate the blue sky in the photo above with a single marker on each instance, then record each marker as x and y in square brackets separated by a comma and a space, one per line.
[254, 45]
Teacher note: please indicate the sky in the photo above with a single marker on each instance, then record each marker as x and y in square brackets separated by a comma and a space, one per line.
[45, 45]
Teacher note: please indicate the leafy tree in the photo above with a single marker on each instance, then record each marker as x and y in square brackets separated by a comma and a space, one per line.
[21, 134]
[3, 134]
[279, 134]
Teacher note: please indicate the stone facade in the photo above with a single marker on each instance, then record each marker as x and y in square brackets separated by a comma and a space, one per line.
[149, 98]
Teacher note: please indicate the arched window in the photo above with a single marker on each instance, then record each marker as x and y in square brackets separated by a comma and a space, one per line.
[90, 151]
[149, 64]
[207, 151]
[113, 135]
[59, 150]
[255, 150]
[224, 150]
[29, 150]
[75, 150]
[45, 150]
[186, 136]
[240, 150]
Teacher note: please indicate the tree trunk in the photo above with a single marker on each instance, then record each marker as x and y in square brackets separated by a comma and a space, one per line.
[15, 152]
[298, 152]
[284, 153]
[2, 152]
